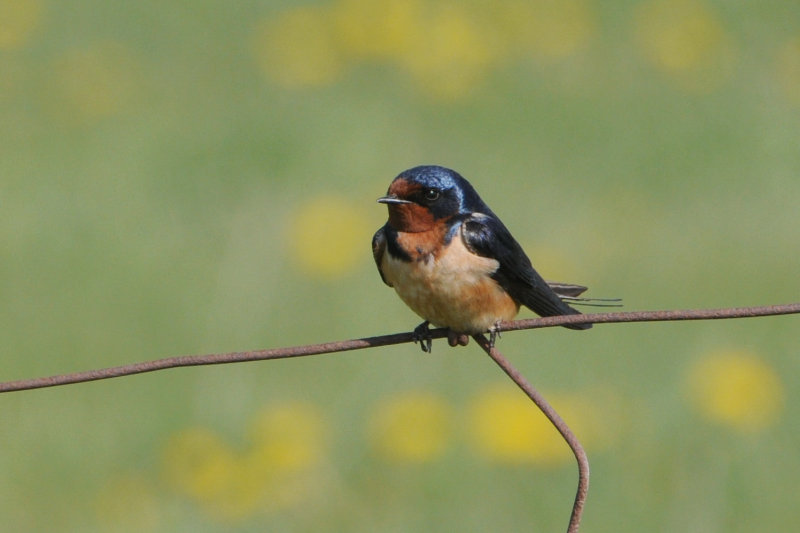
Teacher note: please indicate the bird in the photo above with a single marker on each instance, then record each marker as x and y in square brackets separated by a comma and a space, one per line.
[454, 262]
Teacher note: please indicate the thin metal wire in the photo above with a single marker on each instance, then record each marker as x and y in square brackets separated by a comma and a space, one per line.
[385, 340]
[556, 420]
[399, 338]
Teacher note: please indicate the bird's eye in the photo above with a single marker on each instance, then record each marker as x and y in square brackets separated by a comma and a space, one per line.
[431, 195]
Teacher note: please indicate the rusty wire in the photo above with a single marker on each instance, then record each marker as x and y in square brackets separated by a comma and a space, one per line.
[386, 340]
[399, 338]
[555, 419]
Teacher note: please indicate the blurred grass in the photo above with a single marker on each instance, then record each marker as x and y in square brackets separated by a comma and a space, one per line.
[158, 173]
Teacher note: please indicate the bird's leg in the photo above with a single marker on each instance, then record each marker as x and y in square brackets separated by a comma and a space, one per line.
[457, 339]
[494, 333]
[422, 334]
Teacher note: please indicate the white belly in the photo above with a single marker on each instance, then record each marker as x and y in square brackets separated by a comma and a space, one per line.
[453, 289]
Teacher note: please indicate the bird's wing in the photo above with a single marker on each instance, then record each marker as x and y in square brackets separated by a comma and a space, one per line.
[378, 249]
[485, 235]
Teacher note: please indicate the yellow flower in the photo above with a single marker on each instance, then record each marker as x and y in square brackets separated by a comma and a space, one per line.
[547, 29]
[788, 70]
[686, 41]
[288, 444]
[376, 30]
[508, 428]
[198, 463]
[736, 388]
[298, 48]
[411, 427]
[288, 437]
[446, 47]
[448, 52]
[18, 20]
[278, 468]
[328, 236]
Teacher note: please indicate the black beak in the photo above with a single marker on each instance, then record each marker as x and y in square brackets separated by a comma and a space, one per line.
[392, 199]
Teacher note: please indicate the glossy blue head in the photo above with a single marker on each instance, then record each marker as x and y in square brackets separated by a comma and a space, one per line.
[421, 196]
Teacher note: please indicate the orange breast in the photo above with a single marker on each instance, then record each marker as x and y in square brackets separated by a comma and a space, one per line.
[450, 287]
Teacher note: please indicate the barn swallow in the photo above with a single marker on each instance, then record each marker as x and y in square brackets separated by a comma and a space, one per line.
[454, 263]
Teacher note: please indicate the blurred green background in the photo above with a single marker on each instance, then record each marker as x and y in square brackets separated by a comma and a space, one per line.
[196, 177]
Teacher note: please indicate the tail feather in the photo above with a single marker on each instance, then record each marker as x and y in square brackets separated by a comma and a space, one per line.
[571, 293]
[575, 326]
[566, 290]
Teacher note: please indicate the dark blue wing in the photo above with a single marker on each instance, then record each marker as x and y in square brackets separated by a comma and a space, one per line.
[485, 235]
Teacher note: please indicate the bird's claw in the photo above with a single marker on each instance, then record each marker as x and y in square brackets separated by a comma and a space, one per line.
[494, 334]
[422, 334]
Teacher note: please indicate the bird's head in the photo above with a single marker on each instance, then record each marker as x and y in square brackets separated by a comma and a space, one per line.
[421, 197]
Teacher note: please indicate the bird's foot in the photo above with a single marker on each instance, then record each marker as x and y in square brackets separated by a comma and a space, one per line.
[457, 339]
[494, 334]
[422, 335]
